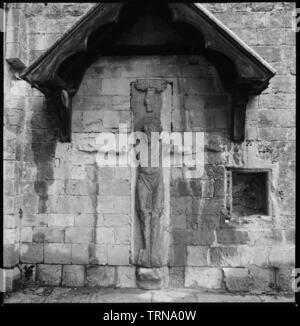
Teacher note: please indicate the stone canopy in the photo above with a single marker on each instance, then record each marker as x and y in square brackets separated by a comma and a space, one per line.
[189, 29]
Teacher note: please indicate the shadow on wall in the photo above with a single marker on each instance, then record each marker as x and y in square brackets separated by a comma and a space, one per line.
[43, 144]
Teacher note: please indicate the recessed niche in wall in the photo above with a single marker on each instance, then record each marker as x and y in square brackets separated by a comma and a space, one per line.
[248, 192]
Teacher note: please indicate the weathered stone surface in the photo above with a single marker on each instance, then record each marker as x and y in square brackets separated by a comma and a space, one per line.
[208, 278]
[126, 277]
[11, 278]
[199, 237]
[57, 253]
[231, 236]
[282, 256]
[197, 256]
[98, 254]
[177, 255]
[236, 279]
[79, 235]
[123, 235]
[284, 279]
[26, 234]
[262, 279]
[176, 275]
[73, 275]
[102, 276]
[115, 219]
[105, 235]
[270, 117]
[152, 278]
[224, 256]
[118, 254]
[48, 234]
[49, 274]
[80, 254]
[31, 253]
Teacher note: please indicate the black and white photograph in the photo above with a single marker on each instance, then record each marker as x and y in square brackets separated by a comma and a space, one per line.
[149, 153]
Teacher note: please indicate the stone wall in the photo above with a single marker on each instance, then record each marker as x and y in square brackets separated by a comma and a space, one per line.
[73, 221]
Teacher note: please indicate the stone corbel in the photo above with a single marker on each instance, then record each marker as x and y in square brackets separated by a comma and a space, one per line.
[239, 104]
[62, 100]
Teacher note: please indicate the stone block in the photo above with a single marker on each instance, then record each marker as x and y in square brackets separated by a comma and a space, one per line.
[105, 235]
[106, 204]
[152, 278]
[80, 254]
[98, 254]
[79, 235]
[203, 277]
[262, 279]
[92, 121]
[282, 256]
[73, 275]
[26, 234]
[49, 274]
[224, 256]
[197, 256]
[176, 277]
[207, 205]
[116, 219]
[80, 187]
[236, 279]
[9, 204]
[121, 103]
[10, 279]
[181, 205]
[57, 253]
[48, 234]
[77, 121]
[178, 221]
[11, 255]
[114, 187]
[232, 236]
[123, 235]
[177, 255]
[90, 87]
[114, 204]
[198, 237]
[10, 236]
[284, 279]
[10, 221]
[265, 237]
[290, 236]
[102, 276]
[280, 19]
[87, 220]
[126, 277]
[111, 119]
[122, 172]
[118, 254]
[115, 86]
[32, 252]
[60, 220]
[258, 256]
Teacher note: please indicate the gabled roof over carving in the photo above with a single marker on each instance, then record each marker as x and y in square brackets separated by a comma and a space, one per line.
[61, 67]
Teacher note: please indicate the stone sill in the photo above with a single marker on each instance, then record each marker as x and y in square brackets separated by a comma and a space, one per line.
[250, 222]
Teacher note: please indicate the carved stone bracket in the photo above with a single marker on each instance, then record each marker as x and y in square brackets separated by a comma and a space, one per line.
[239, 104]
[62, 100]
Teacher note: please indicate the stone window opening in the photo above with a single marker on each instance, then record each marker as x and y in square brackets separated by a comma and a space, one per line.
[247, 193]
